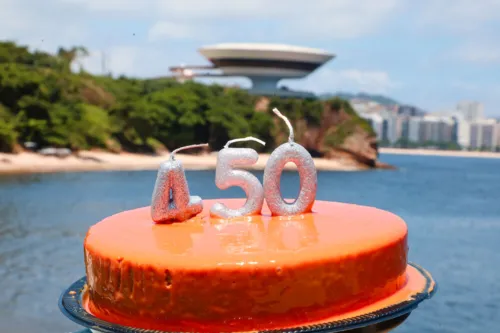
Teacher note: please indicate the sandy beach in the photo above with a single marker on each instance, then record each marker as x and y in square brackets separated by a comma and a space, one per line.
[431, 152]
[28, 162]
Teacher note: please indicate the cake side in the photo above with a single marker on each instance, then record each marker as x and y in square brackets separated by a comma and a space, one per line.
[259, 272]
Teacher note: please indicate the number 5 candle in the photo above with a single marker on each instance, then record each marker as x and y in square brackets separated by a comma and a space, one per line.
[290, 152]
[171, 201]
[226, 176]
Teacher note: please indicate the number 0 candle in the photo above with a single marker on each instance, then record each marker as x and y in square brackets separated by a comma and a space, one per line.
[171, 201]
[226, 176]
[295, 153]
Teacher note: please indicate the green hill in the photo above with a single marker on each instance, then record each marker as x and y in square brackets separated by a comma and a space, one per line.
[42, 101]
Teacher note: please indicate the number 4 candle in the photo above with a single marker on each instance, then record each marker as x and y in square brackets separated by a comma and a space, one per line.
[290, 152]
[171, 200]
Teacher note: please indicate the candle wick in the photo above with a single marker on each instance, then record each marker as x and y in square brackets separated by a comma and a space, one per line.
[172, 154]
[287, 122]
[248, 138]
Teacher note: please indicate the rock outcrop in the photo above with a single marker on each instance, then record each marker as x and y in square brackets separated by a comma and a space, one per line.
[341, 134]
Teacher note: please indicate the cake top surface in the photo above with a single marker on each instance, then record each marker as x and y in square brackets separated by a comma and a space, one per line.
[333, 229]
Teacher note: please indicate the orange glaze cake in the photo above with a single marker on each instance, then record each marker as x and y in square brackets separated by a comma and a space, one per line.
[249, 273]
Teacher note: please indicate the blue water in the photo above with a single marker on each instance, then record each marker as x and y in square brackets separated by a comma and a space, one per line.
[451, 206]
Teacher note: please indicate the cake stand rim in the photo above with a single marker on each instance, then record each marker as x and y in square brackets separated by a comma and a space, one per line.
[79, 315]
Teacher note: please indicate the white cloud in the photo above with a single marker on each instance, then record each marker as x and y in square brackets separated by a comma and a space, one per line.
[473, 24]
[52, 23]
[216, 9]
[123, 59]
[373, 81]
[169, 30]
[461, 15]
[326, 18]
[36, 24]
[119, 60]
[342, 18]
[127, 60]
[13, 18]
[328, 80]
[133, 7]
[49, 24]
[464, 85]
[482, 53]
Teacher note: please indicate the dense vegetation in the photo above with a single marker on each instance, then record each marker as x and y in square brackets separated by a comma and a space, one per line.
[43, 101]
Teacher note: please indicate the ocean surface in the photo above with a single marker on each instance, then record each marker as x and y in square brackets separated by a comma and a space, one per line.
[451, 205]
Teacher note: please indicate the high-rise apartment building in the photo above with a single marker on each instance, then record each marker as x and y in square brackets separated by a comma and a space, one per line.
[409, 110]
[376, 121]
[464, 126]
[394, 128]
[436, 129]
[414, 129]
[463, 137]
[471, 111]
[498, 136]
[484, 134]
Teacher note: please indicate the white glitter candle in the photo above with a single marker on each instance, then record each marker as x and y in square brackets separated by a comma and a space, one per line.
[171, 201]
[226, 176]
[295, 153]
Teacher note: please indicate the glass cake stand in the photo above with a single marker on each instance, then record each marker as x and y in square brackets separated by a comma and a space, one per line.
[380, 321]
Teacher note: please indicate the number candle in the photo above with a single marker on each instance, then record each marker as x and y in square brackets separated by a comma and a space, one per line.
[226, 176]
[290, 152]
[171, 201]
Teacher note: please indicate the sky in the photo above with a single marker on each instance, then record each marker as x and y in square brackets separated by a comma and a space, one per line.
[428, 53]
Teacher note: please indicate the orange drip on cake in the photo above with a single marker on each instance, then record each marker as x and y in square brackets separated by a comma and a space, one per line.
[250, 273]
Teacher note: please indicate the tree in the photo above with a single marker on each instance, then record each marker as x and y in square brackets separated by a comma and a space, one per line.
[41, 100]
[68, 56]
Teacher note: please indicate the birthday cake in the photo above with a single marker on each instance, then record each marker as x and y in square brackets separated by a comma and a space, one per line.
[251, 264]
[250, 273]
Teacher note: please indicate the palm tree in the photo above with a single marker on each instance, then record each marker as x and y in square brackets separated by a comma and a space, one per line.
[68, 56]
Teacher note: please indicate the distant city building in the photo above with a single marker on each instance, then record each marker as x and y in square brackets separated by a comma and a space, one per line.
[498, 135]
[428, 127]
[463, 126]
[489, 136]
[411, 111]
[376, 121]
[471, 111]
[484, 134]
[463, 133]
[395, 129]
[446, 130]
[431, 129]
[361, 107]
[414, 129]
[405, 129]
[475, 136]
[392, 128]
